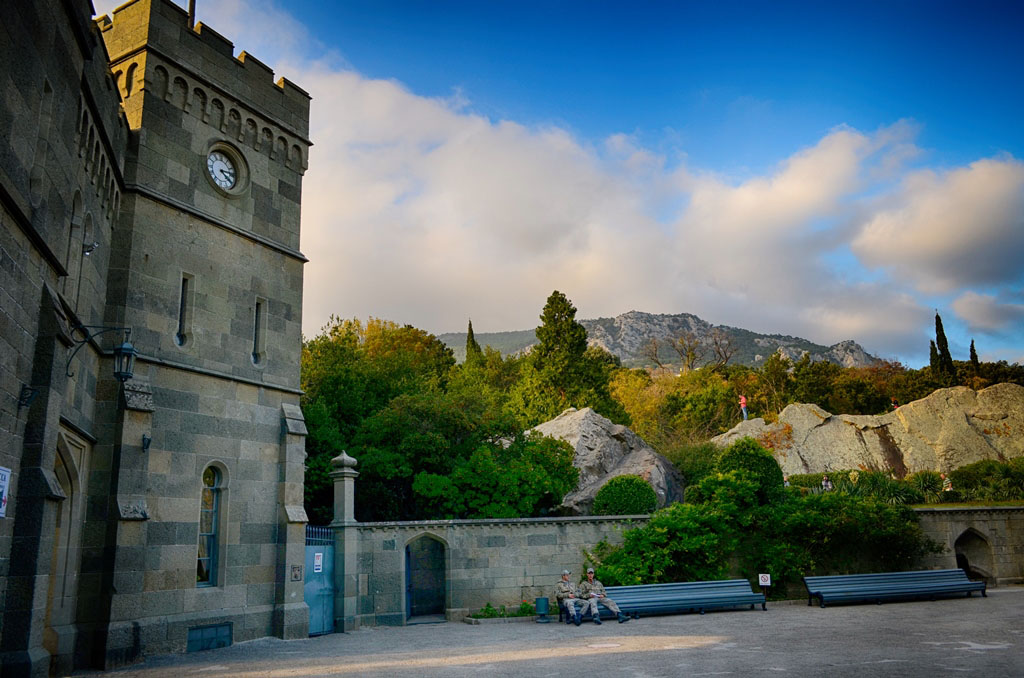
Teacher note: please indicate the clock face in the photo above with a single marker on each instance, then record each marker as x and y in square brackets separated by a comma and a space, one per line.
[222, 170]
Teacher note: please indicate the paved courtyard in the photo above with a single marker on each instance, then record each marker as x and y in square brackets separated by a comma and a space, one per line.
[961, 636]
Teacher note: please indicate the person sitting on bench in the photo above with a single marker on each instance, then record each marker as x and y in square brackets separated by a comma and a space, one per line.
[592, 591]
[569, 598]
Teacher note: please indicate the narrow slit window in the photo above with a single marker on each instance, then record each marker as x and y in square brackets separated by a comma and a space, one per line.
[259, 330]
[209, 508]
[181, 335]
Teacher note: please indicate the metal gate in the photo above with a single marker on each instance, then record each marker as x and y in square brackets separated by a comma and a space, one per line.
[319, 584]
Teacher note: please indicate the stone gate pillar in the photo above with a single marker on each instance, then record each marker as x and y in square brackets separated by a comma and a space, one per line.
[291, 614]
[346, 544]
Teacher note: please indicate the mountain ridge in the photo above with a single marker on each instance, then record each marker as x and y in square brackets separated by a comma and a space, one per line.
[628, 336]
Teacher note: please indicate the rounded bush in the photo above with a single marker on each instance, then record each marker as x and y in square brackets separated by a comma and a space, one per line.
[625, 496]
[753, 462]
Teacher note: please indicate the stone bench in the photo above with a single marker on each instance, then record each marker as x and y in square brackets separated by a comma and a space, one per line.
[882, 586]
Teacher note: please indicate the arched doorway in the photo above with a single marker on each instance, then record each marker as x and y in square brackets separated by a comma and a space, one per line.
[62, 591]
[425, 579]
[974, 555]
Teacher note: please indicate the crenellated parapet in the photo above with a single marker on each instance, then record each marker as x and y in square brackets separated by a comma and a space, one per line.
[153, 50]
[98, 165]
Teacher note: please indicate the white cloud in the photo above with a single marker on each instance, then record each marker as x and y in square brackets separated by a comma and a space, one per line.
[943, 231]
[987, 313]
[421, 211]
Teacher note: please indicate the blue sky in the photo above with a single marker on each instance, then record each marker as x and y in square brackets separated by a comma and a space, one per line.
[823, 170]
[734, 85]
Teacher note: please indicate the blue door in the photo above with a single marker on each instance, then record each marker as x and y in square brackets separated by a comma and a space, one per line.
[319, 583]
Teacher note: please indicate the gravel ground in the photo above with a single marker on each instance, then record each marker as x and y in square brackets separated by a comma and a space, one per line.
[961, 636]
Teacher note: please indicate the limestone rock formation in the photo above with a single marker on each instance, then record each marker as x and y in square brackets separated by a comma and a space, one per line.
[948, 429]
[605, 450]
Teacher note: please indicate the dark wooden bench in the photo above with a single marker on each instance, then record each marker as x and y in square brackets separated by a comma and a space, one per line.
[677, 598]
[883, 586]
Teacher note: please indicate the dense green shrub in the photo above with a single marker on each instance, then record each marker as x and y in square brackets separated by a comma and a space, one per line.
[625, 496]
[736, 524]
[988, 480]
[928, 483]
[756, 464]
[695, 462]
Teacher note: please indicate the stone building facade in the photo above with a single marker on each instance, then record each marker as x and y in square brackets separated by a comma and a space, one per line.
[151, 180]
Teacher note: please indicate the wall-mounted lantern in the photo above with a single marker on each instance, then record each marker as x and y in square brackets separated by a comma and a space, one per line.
[124, 353]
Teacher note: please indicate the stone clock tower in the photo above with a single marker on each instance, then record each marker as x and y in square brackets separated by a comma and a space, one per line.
[209, 541]
[149, 179]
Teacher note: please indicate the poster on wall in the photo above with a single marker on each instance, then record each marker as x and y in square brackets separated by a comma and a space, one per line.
[5, 482]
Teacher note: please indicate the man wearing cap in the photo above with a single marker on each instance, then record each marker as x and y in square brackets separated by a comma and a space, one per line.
[568, 597]
[593, 593]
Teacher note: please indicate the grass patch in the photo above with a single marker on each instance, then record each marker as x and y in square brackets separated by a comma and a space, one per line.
[488, 611]
[963, 504]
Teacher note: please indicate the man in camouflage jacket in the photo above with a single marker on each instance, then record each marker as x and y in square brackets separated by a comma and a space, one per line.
[593, 593]
[568, 598]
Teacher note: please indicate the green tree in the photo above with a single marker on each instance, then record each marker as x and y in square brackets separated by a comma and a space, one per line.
[560, 371]
[473, 351]
[350, 372]
[933, 356]
[775, 383]
[945, 359]
[323, 443]
[701, 404]
[974, 359]
[422, 433]
[812, 381]
[561, 340]
[855, 393]
[525, 477]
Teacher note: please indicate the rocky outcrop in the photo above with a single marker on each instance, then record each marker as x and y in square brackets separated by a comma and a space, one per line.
[950, 428]
[605, 450]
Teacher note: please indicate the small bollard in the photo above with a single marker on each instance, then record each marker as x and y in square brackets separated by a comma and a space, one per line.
[542, 611]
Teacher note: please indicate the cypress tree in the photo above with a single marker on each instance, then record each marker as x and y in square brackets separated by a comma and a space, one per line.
[561, 339]
[933, 356]
[945, 360]
[473, 350]
[974, 358]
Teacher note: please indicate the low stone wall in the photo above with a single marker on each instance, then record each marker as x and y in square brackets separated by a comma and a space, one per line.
[384, 568]
[502, 562]
[986, 540]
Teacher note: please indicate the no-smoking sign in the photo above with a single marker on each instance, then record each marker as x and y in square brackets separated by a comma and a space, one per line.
[764, 580]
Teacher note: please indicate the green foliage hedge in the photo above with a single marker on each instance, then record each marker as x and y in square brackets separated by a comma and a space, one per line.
[987, 480]
[625, 496]
[739, 521]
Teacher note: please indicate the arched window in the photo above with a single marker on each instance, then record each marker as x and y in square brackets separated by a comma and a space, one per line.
[209, 519]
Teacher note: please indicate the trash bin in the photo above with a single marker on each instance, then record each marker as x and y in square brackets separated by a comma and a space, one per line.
[542, 611]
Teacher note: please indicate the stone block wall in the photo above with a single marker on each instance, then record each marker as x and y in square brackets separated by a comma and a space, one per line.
[990, 540]
[502, 562]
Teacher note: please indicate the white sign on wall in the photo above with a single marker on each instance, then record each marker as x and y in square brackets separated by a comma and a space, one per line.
[764, 579]
[5, 487]
[318, 562]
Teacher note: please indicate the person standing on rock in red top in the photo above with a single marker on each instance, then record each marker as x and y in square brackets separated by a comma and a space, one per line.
[743, 406]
